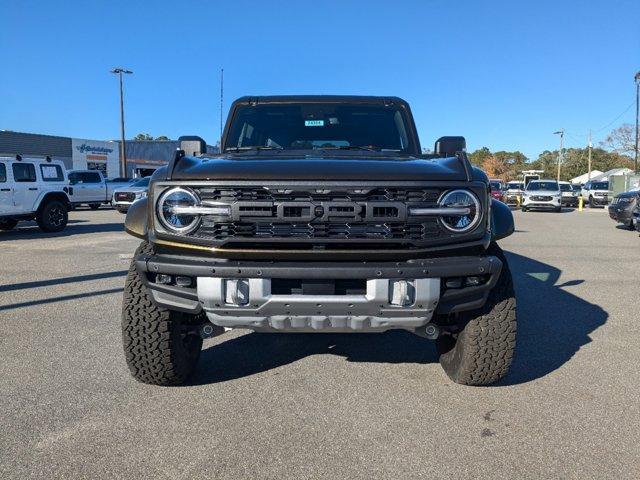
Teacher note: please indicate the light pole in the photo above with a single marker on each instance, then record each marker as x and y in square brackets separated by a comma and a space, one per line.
[637, 79]
[561, 133]
[123, 156]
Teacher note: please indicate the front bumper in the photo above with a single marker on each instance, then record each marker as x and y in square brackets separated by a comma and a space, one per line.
[621, 215]
[369, 311]
[601, 201]
[541, 204]
[570, 201]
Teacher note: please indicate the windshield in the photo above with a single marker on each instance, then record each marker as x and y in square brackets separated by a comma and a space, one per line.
[495, 185]
[314, 126]
[600, 186]
[141, 183]
[535, 185]
[514, 185]
[565, 187]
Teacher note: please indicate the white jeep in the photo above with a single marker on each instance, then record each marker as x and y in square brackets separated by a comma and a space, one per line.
[34, 188]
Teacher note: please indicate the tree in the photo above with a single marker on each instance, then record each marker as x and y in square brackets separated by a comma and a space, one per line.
[145, 137]
[504, 165]
[478, 157]
[621, 140]
[575, 162]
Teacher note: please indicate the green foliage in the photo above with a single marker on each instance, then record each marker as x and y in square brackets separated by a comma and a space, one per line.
[576, 160]
[145, 137]
[502, 164]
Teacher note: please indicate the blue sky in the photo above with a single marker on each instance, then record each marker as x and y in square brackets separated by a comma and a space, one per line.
[503, 74]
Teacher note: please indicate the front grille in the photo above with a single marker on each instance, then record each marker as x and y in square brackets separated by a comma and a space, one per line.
[541, 198]
[303, 217]
[319, 231]
[125, 196]
[263, 194]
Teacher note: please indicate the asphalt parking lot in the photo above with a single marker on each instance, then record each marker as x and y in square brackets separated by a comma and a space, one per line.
[323, 406]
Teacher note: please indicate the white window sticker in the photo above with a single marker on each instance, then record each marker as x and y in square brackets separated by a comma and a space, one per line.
[314, 123]
[49, 171]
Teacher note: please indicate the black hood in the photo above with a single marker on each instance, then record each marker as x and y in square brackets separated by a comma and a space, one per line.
[263, 167]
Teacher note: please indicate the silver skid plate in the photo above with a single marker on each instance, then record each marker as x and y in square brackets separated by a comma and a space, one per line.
[371, 311]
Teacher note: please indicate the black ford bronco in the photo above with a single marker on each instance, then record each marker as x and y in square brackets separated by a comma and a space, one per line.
[320, 214]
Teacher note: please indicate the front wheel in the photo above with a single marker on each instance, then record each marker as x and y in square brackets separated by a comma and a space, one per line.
[94, 206]
[481, 353]
[53, 216]
[159, 350]
[558, 209]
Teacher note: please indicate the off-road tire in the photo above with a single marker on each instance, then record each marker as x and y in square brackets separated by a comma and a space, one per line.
[8, 224]
[52, 216]
[94, 206]
[481, 353]
[156, 348]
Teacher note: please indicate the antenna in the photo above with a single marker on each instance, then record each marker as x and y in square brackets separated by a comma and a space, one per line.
[221, 103]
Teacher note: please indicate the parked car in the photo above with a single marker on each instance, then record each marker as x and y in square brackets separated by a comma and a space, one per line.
[91, 188]
[496, 189]
[34, 188]
[569, 195]
[513, 192]
[325, 217]
[636, 215]
[542, 195]
[622, 207]
[123, 197]
[596, 193]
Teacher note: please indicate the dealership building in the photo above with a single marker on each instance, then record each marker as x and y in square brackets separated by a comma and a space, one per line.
[143, 157]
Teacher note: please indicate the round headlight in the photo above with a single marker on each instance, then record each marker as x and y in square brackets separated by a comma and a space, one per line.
[460, 200]
[171, 219]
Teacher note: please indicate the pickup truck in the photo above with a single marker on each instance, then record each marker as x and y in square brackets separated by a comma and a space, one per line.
[91, 188]
[321, 214]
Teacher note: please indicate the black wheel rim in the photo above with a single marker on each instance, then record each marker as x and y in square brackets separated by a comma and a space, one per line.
[56, 217]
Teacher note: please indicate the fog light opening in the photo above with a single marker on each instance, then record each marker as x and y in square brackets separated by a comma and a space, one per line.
[402, 292]
[163, 279]
[236, 291]
[184, 281]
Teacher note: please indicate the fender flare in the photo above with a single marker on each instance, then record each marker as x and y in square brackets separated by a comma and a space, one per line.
[502, 224]
[57, 195]
[135, 223]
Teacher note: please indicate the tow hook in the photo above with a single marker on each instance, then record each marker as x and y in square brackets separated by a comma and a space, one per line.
[209, 330]
[431, 331]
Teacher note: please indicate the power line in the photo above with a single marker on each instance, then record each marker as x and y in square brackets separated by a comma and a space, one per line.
[617, 118]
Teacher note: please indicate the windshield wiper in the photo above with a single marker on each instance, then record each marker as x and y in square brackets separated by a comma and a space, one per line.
[252, 147]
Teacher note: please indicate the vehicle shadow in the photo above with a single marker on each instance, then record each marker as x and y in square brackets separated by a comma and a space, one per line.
[553, 325]
[30, 231]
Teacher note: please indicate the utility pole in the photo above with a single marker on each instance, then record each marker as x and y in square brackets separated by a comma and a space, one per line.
[221, 103]
[561, 133]
[123, 155]
[635, 161]
[589, 168]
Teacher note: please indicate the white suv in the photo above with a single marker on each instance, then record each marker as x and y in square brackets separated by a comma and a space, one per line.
[34, 188]
[542, 195]
[596, 193]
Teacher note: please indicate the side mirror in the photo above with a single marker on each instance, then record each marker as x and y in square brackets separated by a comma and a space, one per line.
[449, 146]
[192, 145]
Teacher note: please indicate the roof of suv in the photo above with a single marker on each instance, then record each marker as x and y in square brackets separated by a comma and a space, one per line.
[321, 99]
